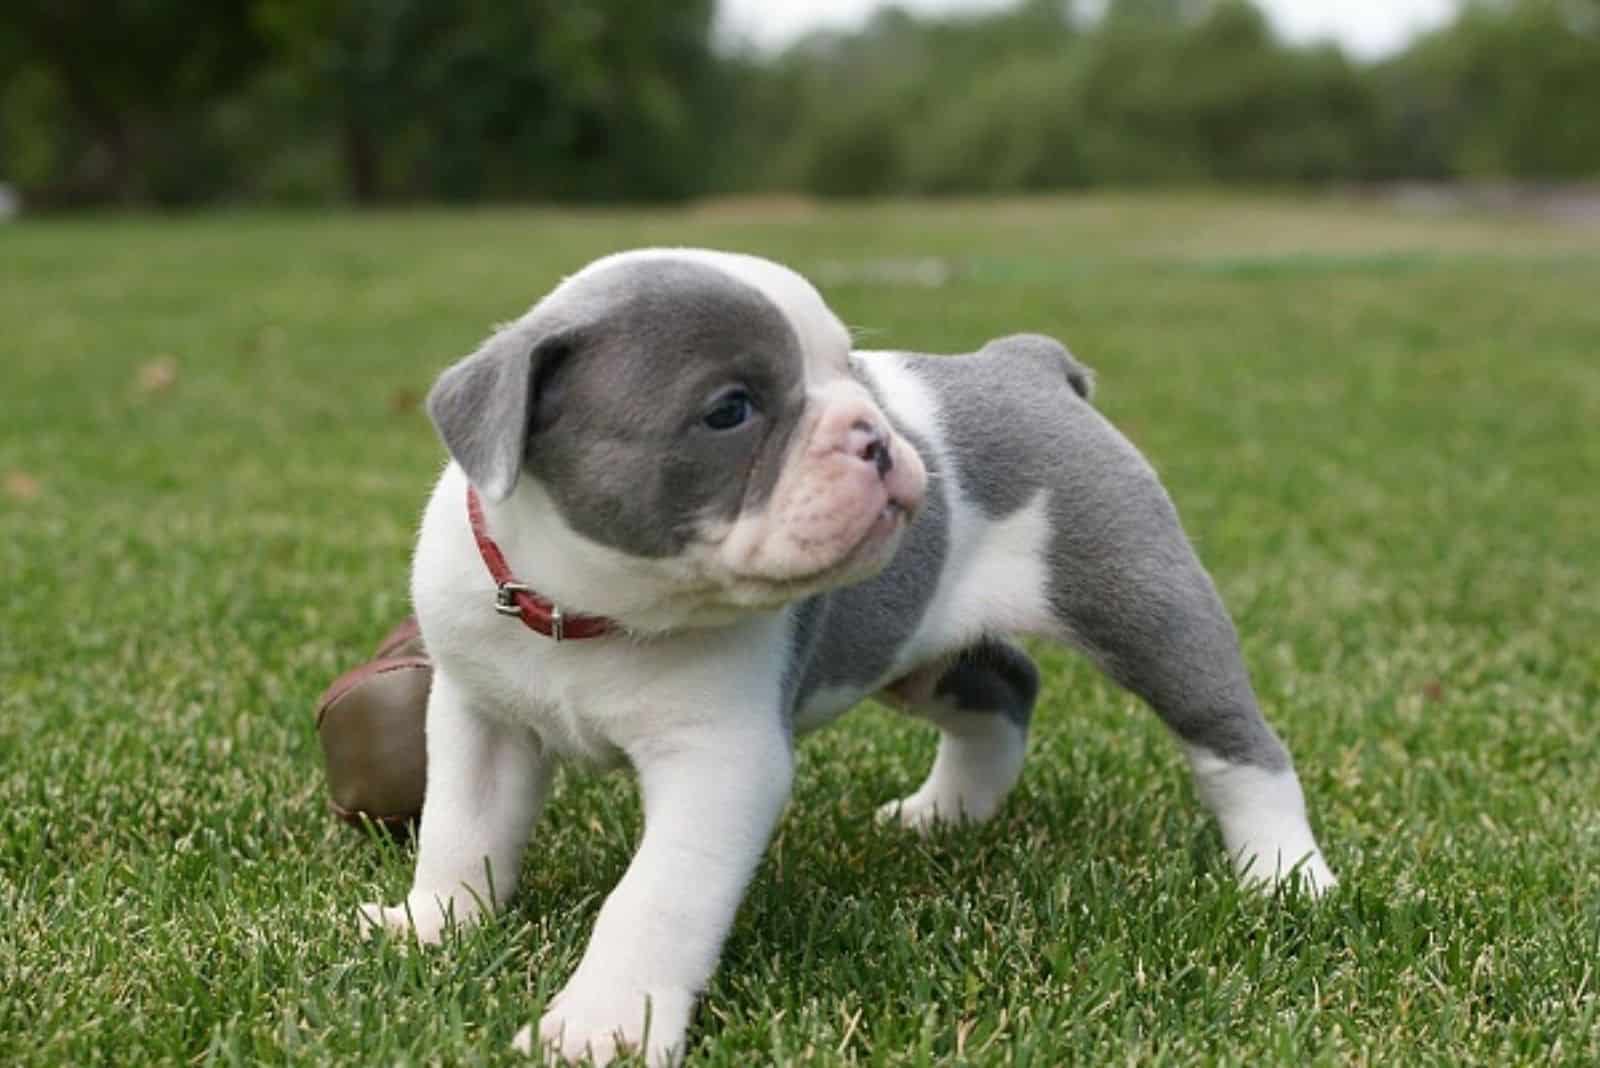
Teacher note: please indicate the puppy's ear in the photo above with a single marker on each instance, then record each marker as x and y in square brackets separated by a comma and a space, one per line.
[483, 405]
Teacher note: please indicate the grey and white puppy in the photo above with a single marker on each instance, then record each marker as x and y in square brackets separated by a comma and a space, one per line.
[682, 442]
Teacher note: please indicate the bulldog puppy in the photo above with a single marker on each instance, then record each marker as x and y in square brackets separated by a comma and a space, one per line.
[683, 524]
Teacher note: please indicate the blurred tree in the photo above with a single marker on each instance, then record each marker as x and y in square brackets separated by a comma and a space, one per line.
[1510, 89]
[909, 104]
[1254, 110]
[1153, 13]
[124, 77]
[1032, 98]
[156, 101]
[602, 100]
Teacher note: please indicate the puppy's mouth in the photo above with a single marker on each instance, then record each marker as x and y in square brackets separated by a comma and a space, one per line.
[872, 551]
[869, 553]
[892, 518]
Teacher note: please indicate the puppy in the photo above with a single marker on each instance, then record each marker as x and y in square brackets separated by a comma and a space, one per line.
[682, 524]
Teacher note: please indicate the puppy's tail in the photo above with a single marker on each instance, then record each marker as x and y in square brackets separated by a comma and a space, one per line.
[1079, 377]
[1050, 352]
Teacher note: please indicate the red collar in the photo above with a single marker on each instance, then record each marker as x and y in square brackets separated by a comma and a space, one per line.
[512, 598]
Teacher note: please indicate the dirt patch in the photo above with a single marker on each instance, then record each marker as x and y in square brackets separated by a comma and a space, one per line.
[1575, 204]
[758, 207]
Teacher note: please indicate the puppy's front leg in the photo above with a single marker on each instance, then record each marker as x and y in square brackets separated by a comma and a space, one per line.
[487, 782]
[711, 800]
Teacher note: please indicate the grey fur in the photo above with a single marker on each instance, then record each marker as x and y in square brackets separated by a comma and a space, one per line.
[599, 393]
[848, 638]
[1125, 586]
[480, 407]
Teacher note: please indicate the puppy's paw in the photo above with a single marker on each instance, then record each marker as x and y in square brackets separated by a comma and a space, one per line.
[603, 1024]
[925, 812]
[424, 917]
[1308, 870]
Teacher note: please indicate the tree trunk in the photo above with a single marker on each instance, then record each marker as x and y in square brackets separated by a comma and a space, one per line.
[361, 160]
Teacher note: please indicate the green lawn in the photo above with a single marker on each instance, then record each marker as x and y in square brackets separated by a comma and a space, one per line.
[1383, 433]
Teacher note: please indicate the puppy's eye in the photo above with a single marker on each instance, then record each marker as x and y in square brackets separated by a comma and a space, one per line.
[733, 409]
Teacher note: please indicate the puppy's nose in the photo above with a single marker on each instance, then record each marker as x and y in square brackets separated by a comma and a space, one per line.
[871, 444]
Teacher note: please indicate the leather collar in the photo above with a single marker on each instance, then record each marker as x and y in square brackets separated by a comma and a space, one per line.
[513, 598]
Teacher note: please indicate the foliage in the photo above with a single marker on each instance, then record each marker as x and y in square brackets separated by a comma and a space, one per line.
[108, 101]
[461, 101]
[485, 99]
[161, 102]
[1164, 91]
[1510, 90]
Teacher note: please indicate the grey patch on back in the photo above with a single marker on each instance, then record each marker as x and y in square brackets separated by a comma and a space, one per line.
[849, 637]
[992, 676]
[1125, 585]
[996, 406]
[599, 393]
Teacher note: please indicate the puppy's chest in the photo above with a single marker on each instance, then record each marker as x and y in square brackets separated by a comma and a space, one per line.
[516, 676]
[593, 701]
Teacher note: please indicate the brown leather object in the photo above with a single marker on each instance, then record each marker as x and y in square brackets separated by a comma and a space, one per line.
[370, 723]
[404, 640]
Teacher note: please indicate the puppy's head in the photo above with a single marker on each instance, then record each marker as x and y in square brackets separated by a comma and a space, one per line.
[695, 413]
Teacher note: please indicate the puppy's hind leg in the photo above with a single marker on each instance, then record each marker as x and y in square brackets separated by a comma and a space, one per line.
[981, 701]
[1130, 593]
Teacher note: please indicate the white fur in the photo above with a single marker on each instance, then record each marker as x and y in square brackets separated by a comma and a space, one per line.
[995, 576]
[712, 793]
[912, 401]
[692, 702]
[1263, 818]
[994, 581]
[979, 761]
[487, 781]
[824, 341]
[695, 711]
[691, 698]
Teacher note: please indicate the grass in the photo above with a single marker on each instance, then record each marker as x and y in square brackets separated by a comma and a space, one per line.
[1383, 432]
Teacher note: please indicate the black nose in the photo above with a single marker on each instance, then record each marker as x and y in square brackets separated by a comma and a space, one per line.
[876, 452]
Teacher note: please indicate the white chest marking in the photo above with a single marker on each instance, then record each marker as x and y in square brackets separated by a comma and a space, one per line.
[996, 574]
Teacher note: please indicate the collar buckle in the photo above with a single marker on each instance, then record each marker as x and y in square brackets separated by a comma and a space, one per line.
[505, 602]
[505, 598]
